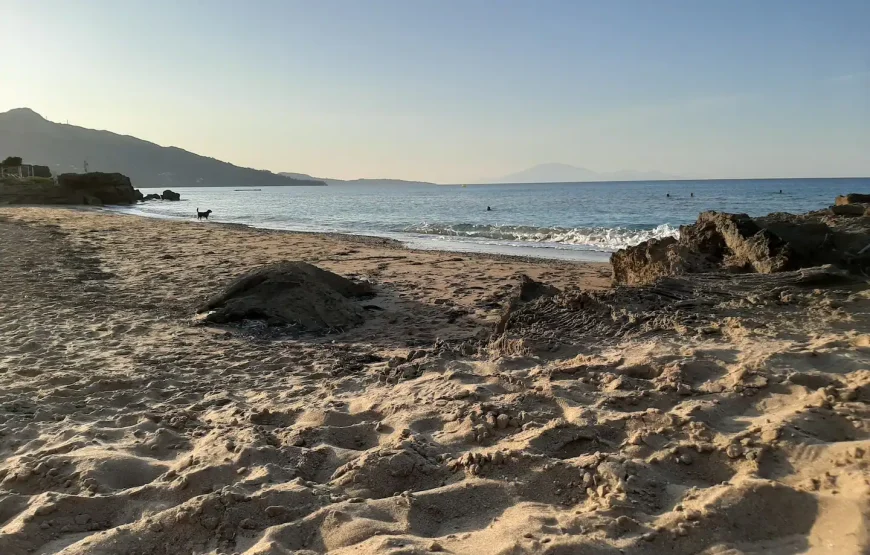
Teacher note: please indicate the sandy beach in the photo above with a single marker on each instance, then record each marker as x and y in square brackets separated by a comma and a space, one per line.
[600, 423]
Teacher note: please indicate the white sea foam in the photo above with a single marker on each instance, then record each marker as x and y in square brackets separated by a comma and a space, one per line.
[597, 238]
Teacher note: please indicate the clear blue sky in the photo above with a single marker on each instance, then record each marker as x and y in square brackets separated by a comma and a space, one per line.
[464, 90]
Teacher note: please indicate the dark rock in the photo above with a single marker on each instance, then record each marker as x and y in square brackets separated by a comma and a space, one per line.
[139, 196]
[646, 262]
[170, 195]
[852, 198]
[104, 188]
[151, 196]
[737, 243]
[294, 294]
[90, 189]
[731, 242]
[849, 209]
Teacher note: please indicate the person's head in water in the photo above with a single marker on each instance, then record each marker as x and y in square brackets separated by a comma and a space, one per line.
[668, 195]
[691, 194]
[488, 209]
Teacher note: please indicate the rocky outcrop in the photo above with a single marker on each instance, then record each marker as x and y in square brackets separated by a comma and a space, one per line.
[292, 294]
[98, 188]
[170, 195]
[849, 209]
[93, 189]
[716, 241]
[852, 198]
[737, 243]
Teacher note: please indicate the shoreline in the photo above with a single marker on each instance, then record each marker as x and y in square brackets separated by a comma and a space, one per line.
[390, 242]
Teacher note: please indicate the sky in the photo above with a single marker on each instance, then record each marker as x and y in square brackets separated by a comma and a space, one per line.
[459, 90]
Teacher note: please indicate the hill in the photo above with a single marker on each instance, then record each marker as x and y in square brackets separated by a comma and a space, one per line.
[357, 181]
[64, 148]
[565, 173]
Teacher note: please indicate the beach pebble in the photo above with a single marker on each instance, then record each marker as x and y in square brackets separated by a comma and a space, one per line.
[734, 451]
[503, 420]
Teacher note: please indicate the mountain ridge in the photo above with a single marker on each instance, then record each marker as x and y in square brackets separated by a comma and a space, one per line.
[360, 181]
[555, 172]
[64, 148]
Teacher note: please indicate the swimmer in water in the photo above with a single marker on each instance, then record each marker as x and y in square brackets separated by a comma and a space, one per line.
[691, 194]
[488, 209]
[668, 195]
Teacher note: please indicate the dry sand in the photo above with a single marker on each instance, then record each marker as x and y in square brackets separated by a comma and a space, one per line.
[126, 427]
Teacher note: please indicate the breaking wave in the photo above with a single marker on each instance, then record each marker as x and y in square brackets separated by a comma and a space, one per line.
[595, 238]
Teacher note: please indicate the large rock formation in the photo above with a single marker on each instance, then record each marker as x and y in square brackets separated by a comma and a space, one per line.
[295, 294]
[98, 188]
[737, 243]
[88, 188]
[852, 198]
[170, 195]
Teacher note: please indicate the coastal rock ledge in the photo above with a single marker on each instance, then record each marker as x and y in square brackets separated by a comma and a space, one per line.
[95, 189]
[719, 242]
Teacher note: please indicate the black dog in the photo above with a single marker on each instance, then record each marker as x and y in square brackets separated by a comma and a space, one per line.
[201, 215]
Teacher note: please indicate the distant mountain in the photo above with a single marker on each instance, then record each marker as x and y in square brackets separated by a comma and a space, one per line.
[564, 173]
[64, 148]
[330, 181]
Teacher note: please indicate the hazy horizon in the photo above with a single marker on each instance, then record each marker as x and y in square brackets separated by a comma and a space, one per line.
[455, 92]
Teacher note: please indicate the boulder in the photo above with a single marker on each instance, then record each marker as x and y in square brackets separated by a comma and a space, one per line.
[151, 196]
[731, 242]
[746, 244]
[851, 198]
[98, 187]
[645, 262]
[777, 242]
[139, 196]
[294, 294]
[849, 209]
[170, 195]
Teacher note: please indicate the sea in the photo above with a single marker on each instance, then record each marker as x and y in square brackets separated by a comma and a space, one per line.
[566, 221]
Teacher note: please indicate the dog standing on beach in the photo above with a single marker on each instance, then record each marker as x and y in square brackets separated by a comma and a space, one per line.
[201, 215]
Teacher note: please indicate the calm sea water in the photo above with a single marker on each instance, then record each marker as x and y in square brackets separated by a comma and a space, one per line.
[585, 221]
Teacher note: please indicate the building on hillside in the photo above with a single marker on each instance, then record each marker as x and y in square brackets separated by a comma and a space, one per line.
[25, 170]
